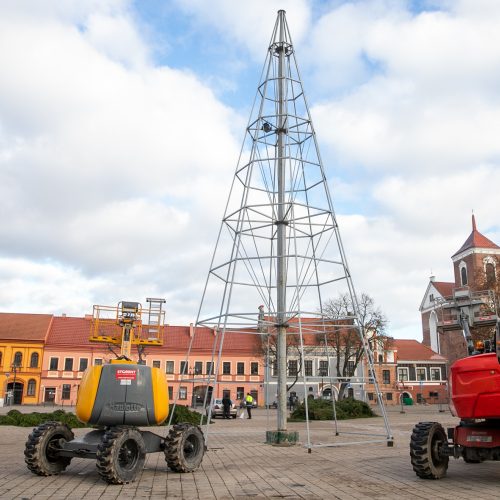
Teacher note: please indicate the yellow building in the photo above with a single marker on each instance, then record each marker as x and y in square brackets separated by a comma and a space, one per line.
[22, 340]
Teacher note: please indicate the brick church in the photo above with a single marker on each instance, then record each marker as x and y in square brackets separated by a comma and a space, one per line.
[470, 302]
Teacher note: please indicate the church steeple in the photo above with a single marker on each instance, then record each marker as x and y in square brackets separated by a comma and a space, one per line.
[475, 240]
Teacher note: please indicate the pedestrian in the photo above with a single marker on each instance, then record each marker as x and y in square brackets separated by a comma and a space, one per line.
[226, 407]
[249, 403]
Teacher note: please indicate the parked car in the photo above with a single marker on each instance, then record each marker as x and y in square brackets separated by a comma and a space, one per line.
[218, 409]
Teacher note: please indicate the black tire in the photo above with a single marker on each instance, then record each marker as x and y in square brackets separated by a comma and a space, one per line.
[41, 451]
[470, 459]
[426, 441]
[120, 455]
[184, 448]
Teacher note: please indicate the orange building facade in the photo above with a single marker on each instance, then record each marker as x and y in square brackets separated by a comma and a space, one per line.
[68, 352]
[22, 339]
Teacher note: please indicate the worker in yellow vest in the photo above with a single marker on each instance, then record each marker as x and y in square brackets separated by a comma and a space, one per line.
[249, 403]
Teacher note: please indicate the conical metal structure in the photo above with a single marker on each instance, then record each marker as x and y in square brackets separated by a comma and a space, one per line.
[279, 244]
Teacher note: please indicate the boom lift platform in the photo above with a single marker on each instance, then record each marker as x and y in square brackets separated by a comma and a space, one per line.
[475, 398]
[117, 398]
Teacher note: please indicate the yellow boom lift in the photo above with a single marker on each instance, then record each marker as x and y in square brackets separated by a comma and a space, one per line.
[117, 398]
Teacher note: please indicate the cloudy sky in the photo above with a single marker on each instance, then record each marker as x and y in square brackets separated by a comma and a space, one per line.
[121, 124]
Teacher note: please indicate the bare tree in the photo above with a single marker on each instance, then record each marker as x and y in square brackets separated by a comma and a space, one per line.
[343, 337]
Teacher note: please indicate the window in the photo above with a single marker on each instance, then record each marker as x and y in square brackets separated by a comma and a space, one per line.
[254, 368]
[421, 375]
[68, 364]
[489, 269]
[323, 369]
[463, 273]
[198, 368]
[226, 368]
[84, 363]
[370, 396]
[66, 391]
[350, 368]
[54, 363]
[403, 374]
[435, 374]
[30, 391]
[420, 398]
[240, 368]
[433, 394]
[308, 366]
[98, 361]
[170, 393]
[156, 363]
[240, 392]
[388, 396]
[275, 368]
[34, 360]
[380, 358]
[210, 368]
[292, 367]
[386, 376]
[183, 393]
[226, 393]
[431, 297]
[18, 358]
[183, 370]
[169, 367]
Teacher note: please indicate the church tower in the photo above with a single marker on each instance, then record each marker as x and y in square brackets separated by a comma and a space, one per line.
[472, 298]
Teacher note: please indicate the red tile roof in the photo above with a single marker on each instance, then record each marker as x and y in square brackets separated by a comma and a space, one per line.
[445, 288]
[476, 240]
[26, 327]
[412, 350]
[69, 331]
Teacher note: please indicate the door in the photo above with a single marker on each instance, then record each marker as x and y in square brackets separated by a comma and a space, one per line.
[17, 392]
[50, 395]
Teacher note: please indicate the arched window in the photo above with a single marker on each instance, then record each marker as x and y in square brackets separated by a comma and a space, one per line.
[380, 358]
[433, 332]
[463, 275]
[490, 274]
[18, 358]
[34, 360]
[30, 391]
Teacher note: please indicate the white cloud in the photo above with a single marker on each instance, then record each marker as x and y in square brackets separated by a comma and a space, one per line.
[108, 163]
[114, 171]
[250, 24]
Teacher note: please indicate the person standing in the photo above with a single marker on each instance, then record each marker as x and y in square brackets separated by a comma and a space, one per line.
[226, 407]
[249, 403]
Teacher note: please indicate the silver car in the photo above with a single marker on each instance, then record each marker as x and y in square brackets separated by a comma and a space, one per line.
[218, 409]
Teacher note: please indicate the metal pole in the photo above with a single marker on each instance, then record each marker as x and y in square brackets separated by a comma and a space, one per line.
[281, 231]
[14, 367]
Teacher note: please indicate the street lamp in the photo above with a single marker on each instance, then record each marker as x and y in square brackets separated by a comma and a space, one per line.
[191, 374]
[14, 369]
[402, 385]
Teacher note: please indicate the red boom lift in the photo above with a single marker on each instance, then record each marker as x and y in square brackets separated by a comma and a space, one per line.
[475, 399]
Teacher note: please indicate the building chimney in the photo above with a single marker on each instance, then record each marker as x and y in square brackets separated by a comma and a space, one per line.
[191, 330]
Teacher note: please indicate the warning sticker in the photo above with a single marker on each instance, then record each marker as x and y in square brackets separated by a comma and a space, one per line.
[124, 374]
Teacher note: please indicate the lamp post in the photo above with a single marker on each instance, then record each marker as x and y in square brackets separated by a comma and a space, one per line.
[14, 369]
[191, 374]
[402, 386]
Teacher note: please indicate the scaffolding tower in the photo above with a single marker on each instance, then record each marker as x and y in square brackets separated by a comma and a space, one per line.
[279, 243]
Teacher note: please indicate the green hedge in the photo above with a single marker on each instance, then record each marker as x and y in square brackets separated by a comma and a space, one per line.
[15, 417]
[322, 409]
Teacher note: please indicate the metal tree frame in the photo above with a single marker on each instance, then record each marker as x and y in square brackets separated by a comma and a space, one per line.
[279, 244]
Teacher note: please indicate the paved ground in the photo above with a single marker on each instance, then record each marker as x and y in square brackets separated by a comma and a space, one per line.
[240, 465]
